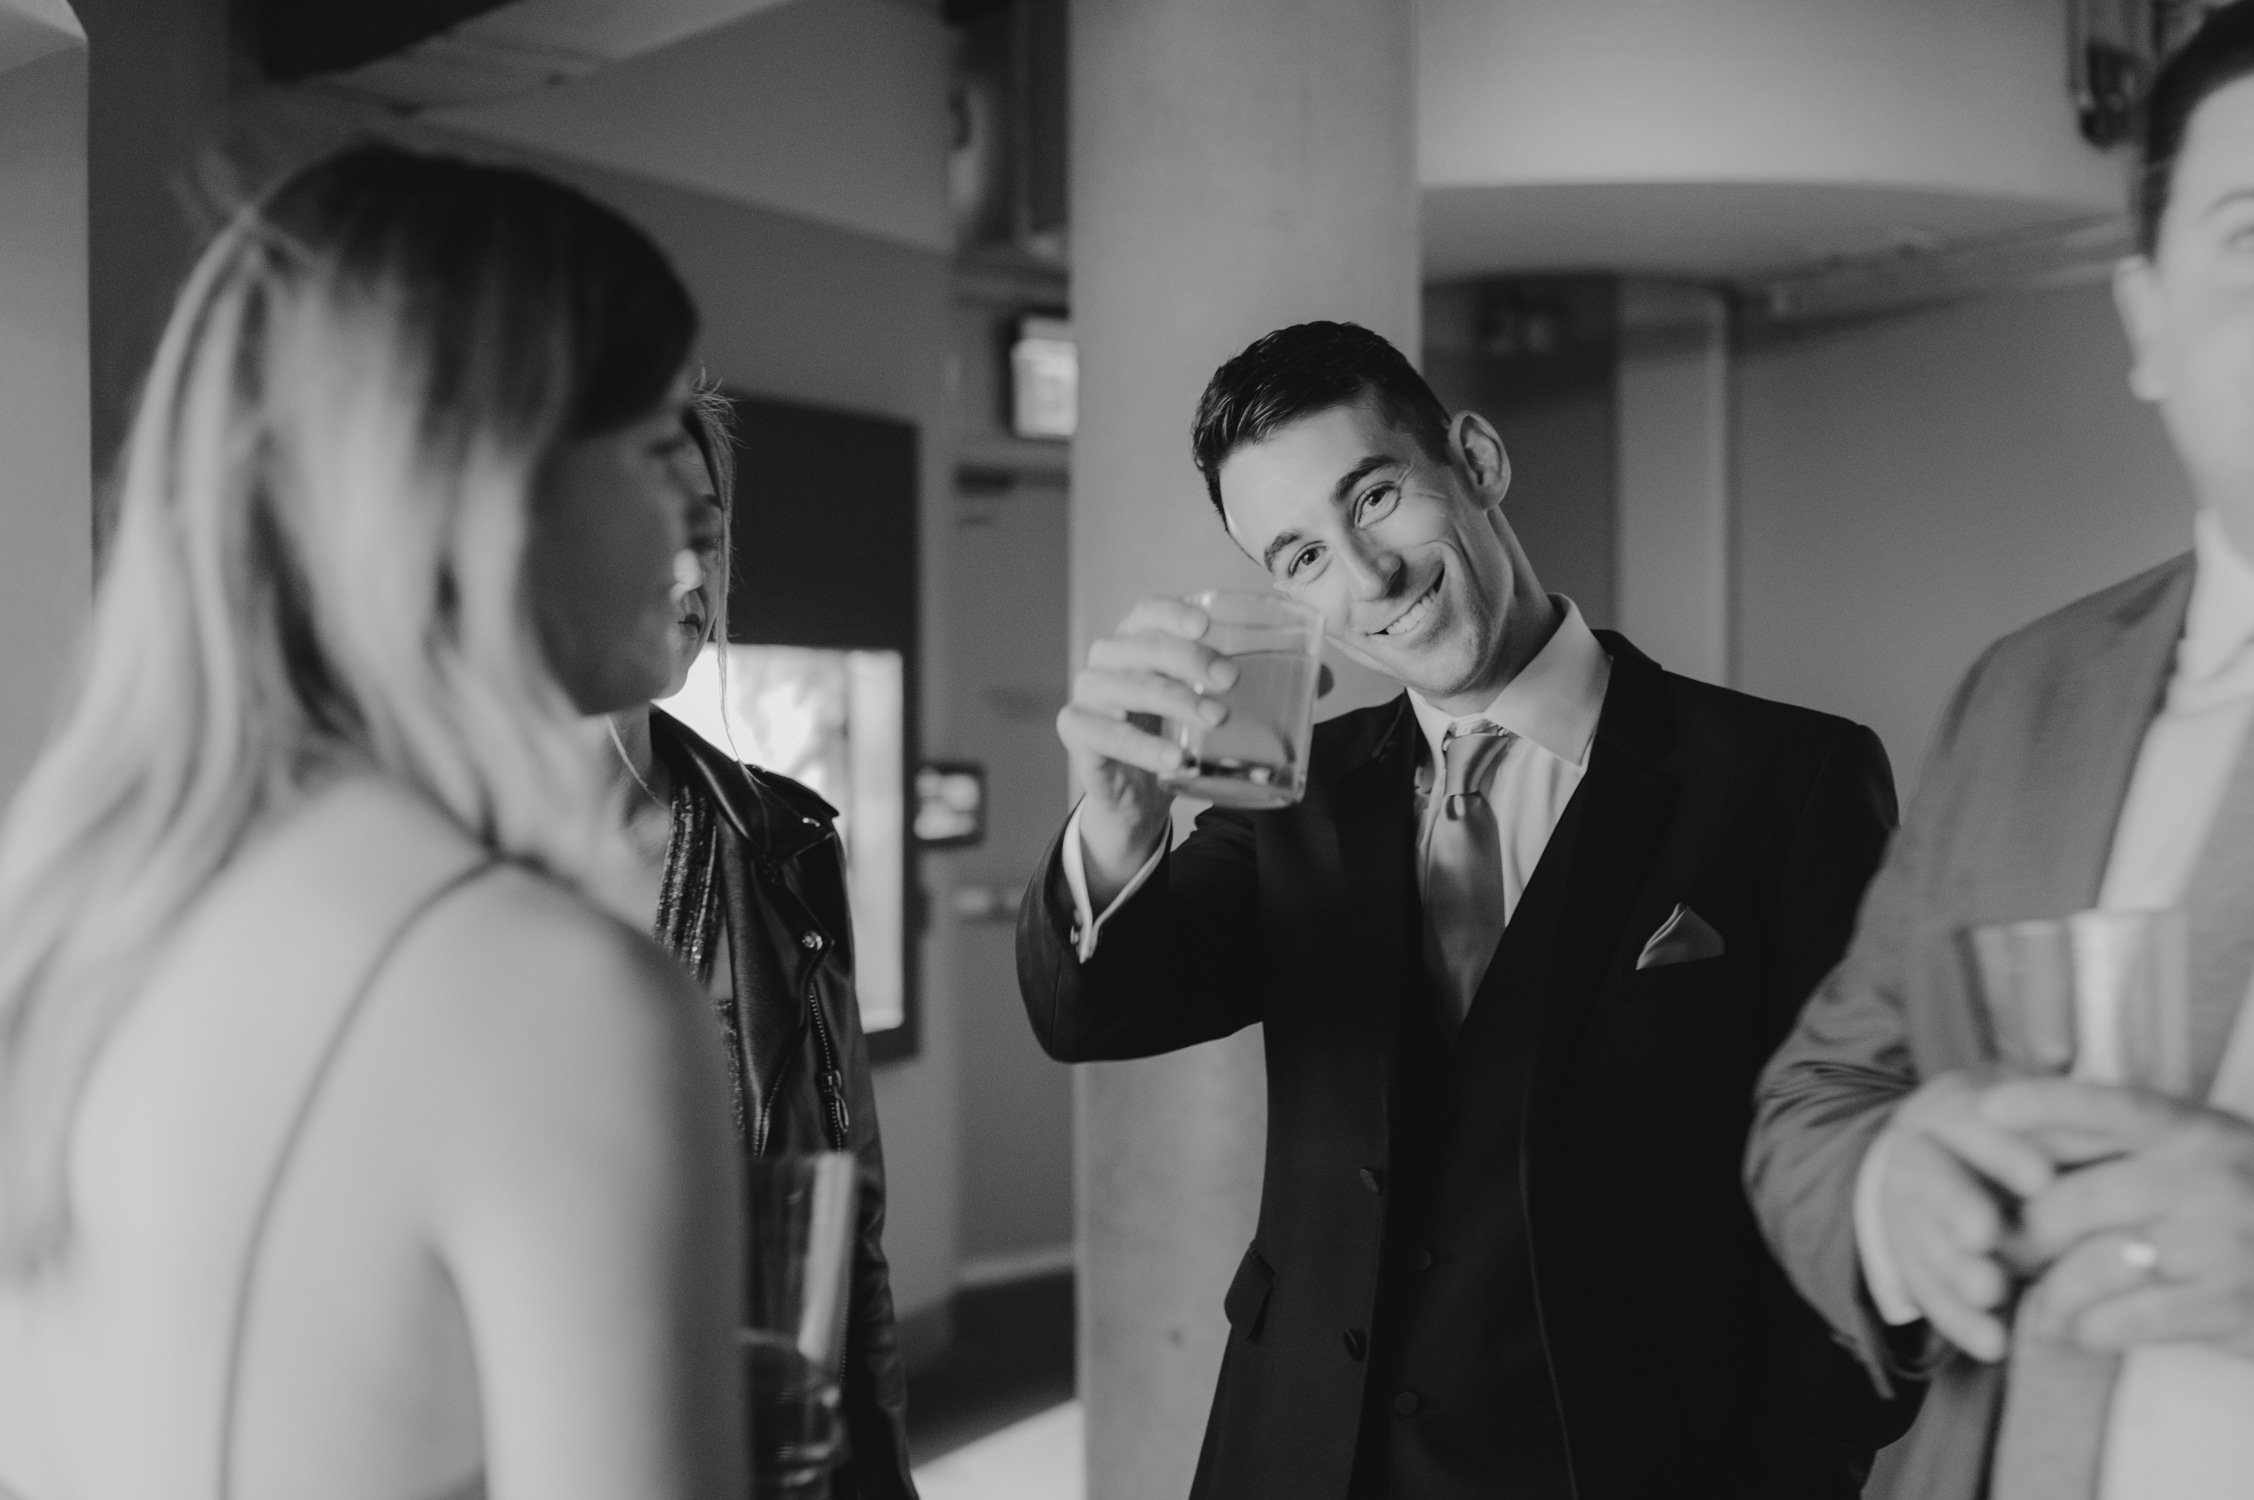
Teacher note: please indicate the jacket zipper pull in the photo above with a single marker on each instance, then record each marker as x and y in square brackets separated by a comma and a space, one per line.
[833, 1084]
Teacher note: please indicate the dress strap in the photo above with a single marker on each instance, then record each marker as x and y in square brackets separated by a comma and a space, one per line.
[262, 1215]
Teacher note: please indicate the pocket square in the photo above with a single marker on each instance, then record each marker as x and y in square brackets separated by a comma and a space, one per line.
[1683, 937]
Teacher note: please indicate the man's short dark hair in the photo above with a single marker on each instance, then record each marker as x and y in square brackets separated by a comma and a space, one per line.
[1301, 370]
[2218, 54]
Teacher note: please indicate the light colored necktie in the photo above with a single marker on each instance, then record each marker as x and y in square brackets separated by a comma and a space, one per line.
[2058, 1397]
[1463, 869]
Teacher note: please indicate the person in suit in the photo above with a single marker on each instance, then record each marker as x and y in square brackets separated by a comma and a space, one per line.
[1520, 953]
[2098, 758]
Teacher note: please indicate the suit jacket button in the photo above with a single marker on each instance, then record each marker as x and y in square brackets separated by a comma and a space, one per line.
[1408, 1403]
[1356, 1345]
[1424, 1260]
[1372, 1180]
[810, 941]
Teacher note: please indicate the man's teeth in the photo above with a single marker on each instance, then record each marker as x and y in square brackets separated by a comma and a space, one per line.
[1413, 617]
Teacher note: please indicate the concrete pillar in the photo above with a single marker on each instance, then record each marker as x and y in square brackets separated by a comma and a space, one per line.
[46, 503]
[1673, 523]
[1235, 168]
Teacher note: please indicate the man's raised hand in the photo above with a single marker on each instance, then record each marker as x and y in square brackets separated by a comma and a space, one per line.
[1153, 667]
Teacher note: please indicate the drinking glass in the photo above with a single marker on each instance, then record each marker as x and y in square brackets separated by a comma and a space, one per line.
[799, 1278]
[1257, 756]
[2100, 994]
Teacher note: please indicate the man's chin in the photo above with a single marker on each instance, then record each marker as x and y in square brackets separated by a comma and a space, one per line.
[1410, 670]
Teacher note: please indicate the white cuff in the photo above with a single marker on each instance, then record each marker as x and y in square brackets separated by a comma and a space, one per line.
[1086, 926]
[1879, 1272]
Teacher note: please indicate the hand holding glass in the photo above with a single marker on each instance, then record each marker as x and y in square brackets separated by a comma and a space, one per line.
[1257, 756]
[801, 1221]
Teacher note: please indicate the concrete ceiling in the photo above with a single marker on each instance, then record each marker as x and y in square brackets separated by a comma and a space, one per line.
[421, 53]
[831, 110]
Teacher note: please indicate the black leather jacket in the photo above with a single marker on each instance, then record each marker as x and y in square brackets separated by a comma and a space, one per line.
[802, 1061]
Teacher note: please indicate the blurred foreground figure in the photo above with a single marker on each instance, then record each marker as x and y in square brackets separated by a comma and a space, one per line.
[744, 871]
[2097, 759]
[1520, 953]
[347, 1149]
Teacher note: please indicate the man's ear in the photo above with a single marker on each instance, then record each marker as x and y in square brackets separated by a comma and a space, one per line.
[2136, 295]
[1478, 450]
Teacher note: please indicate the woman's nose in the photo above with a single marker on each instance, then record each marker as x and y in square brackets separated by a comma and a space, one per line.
[688, 573]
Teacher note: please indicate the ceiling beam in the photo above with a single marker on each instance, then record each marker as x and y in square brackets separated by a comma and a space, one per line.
[300, 39]
[421, 54]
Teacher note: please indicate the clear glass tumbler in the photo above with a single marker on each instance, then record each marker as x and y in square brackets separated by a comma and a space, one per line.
[2100, 995]
[1257, 756]
[800, 1210]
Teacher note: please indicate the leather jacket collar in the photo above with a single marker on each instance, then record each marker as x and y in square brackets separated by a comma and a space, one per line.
[776, 817]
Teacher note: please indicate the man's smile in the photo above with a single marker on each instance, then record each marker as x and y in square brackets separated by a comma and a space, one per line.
[1412, 619]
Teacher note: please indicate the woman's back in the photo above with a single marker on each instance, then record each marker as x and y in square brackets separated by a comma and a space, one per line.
[348, 1184]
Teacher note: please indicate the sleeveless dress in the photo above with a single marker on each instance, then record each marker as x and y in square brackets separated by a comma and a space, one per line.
[371, 872]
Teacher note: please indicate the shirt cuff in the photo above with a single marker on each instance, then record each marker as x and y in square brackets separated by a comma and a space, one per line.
[1086, 925]
[1880, 1276]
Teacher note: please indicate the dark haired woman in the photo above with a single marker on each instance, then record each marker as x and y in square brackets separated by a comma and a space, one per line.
[745, 873]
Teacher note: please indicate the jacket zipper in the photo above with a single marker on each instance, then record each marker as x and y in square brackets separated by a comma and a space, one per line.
[832, 1082]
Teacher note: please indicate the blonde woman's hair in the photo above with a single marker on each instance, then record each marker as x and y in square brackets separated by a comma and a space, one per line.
[317, 569]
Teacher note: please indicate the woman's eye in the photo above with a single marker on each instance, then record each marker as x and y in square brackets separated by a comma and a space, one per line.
[1302, 559]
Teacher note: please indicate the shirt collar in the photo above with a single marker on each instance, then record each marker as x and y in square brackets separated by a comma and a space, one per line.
[1554, 701]
[2219, 622]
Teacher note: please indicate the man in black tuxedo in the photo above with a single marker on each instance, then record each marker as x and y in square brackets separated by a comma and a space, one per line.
[1520, 953]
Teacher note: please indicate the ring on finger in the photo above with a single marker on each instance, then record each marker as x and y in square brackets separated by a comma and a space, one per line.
[2142, 1256]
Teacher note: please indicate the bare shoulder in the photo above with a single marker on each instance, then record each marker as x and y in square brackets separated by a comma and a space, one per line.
[518, 1024]
[516, 969]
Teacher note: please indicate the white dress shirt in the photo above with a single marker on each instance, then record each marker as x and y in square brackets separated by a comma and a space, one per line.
[1552, 706]
[2183, 1415]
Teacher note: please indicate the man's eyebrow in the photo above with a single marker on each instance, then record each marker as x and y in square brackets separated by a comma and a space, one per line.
[1354, 476]
[1268, 558]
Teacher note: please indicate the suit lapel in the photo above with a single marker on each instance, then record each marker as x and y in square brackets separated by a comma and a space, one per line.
[2050, 858]
[1598, 858]
[1359, 829]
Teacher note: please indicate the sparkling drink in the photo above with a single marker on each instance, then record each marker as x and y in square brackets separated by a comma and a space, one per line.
[1257, 756]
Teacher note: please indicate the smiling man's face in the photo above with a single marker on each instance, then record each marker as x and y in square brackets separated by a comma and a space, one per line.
[1400, 551]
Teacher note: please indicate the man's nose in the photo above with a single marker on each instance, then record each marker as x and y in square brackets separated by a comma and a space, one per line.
[1371, 572]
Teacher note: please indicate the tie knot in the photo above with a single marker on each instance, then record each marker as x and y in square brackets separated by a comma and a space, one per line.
[1470, 752]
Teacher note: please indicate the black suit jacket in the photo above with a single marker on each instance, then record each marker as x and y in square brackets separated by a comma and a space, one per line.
[1682, 1363]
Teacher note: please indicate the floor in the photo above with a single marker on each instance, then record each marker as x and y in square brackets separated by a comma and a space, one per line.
[995, 1419]
[1011, 1359]
[1036, 1459]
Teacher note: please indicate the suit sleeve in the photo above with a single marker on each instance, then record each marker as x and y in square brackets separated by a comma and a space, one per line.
[1833, 1085]
[1181, 961]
